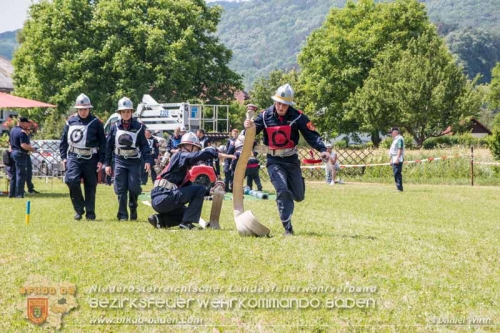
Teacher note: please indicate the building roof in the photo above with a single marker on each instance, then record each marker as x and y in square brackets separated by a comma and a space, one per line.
[10, 101]
[6, 70]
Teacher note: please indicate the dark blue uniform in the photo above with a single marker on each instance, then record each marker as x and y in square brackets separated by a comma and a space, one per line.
[170, 204]
[82, 145]
[20, 158]
[128, 144]
[281, 134]
[173, 143]
[154, 151]
[228, 172]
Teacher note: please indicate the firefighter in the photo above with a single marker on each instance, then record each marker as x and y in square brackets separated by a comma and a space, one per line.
[154, 150]
[128, 144]
[173, 190]
[281, 124]
[82, 151]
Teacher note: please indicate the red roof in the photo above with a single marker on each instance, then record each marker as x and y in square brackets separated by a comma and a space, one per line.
[9, 101]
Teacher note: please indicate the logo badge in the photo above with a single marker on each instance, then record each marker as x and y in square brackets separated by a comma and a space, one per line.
[38, 310]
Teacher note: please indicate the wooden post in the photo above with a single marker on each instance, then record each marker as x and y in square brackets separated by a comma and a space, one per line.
[472, 166]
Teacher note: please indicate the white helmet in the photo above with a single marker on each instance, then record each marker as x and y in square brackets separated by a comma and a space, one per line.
[125, 104]
[83, 102]
[284, 95]
[191, 139]
[222, 149]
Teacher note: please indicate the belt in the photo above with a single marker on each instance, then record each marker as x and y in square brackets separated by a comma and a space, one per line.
[83, 152]
[165, 184]
[282, 152]
[127, 153]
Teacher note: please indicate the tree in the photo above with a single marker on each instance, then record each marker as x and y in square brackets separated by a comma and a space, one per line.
[494, 140]
[115, 48]
[420, 89]
[338, 57]
[494, 95]
[477, 49]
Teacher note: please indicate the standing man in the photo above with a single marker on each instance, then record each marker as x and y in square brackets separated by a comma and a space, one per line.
[29, 169]
[228, 172]
[82, 149]
[204, 140]
[332, 165]
[20, 146]
[396, 154]
[154, 151]
[127, 142]
[281, 124]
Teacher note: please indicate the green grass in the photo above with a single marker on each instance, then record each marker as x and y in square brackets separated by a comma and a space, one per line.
[431, 252]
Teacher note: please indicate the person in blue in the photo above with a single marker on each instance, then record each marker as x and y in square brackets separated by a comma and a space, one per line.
[228, 172]
[128, 144]
[173, 189]
[281, 124]
[397, 154]
[82, 149]
[29, 169]
[154, 151]
[175, 140]
[20, 147]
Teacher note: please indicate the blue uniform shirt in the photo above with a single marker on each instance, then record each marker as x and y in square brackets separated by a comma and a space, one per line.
[181, 162]
[141, 143]
[299, 123]
[95, 135]
[17, 137]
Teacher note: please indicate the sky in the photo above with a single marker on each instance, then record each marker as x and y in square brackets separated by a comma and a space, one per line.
[13, 13]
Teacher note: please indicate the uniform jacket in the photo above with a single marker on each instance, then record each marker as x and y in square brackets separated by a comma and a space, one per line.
[95, 135]
[141, 143]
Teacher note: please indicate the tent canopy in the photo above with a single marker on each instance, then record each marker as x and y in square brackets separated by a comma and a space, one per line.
[9, 101]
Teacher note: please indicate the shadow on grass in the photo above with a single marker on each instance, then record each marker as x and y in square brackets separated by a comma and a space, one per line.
[47, 195]
[315, 234]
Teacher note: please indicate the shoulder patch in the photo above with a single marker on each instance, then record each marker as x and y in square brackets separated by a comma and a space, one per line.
[311, 126]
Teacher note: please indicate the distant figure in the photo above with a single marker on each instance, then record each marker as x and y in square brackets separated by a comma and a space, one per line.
[332, 165]
[173, 142]
[20, 147]
[228, 173]
[29, 169]
[396, 154]
[154, 148]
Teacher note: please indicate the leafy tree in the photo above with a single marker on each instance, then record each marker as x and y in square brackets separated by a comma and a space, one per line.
[478, 51]
[420, 89]
[494, 140]
[113, 48]
[494, 95]
[339, 56]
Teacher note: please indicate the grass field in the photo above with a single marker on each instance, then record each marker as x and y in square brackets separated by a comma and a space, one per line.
[426, 260]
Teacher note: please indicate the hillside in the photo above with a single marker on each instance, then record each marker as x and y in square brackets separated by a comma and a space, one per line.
[8, 43]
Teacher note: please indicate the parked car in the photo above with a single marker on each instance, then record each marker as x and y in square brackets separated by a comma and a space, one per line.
[47, 160]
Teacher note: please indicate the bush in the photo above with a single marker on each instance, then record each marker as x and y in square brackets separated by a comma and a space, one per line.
[494, 144]
[446, 141]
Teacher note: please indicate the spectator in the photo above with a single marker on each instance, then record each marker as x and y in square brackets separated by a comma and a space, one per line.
[396, 154]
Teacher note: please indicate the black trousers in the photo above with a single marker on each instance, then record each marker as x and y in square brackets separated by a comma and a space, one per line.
[76, 169]
[397, 170]
[170, 204]
[286, 177]
[252, 175]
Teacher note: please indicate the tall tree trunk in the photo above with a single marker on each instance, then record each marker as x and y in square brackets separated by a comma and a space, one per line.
[375, 138]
